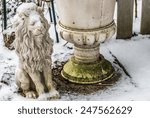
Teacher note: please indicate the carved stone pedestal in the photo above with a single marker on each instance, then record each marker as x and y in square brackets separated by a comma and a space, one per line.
[88, 73]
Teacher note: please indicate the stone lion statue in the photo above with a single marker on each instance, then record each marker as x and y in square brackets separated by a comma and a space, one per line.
[33, 46]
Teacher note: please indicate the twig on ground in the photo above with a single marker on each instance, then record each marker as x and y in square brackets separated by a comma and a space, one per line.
[116, 61]
[65, 43]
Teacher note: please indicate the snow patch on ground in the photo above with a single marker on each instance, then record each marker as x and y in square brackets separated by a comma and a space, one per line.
[134, 55]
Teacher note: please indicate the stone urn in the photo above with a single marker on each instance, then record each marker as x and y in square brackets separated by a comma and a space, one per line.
[86, 23]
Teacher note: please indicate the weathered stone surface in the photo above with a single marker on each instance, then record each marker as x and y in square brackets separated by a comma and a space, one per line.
[88, 73]
[86, 24]
[34, 47]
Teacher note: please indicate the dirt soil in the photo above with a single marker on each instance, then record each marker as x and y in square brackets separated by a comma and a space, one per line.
[64, 86]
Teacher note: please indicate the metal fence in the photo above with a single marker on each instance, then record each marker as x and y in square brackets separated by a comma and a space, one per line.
[124, 17]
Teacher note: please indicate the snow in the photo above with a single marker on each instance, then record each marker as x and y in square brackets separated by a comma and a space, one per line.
[134, 54]
[136, 23]
[26, 7]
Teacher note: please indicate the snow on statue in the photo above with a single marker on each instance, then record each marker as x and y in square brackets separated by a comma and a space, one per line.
[33, 46]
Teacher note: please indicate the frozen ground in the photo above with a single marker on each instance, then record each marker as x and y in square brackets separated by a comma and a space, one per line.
[134, 54]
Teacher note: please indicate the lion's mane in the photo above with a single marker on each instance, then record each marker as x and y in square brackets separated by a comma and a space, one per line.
[34, 52]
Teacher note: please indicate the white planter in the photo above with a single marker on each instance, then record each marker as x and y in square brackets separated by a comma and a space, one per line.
[86, 14]
[86, 23]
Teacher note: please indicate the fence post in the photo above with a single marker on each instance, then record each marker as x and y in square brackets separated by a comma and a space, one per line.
[55, 23]
[145, 20]
[4, 14]
[125, 19]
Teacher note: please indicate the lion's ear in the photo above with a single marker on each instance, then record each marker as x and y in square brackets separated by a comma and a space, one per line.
[40, 9]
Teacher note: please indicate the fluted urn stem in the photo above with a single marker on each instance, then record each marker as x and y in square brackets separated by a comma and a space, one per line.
[86, 54]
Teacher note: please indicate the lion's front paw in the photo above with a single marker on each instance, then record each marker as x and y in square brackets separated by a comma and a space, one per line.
[53, 95]
[30, 94]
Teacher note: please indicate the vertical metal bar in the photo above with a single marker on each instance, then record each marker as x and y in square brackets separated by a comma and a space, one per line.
[4, 14]
[136, 4]
[50, 14]
[54, 17]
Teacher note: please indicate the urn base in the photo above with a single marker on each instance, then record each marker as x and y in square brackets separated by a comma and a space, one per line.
[88, 73]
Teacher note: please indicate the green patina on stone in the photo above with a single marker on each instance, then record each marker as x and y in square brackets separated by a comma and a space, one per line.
[87, 73]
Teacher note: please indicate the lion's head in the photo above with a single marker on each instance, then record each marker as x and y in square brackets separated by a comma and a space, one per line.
[33, 44]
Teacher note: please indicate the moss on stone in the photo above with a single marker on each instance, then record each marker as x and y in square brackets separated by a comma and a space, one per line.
[87, 73]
